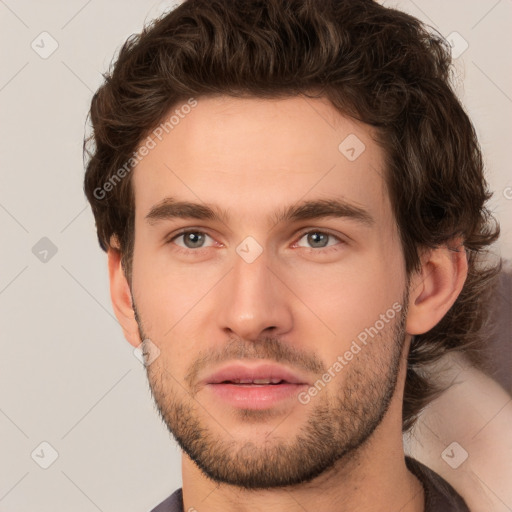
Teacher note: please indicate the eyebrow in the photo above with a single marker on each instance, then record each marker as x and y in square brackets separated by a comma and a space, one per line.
[170, 208]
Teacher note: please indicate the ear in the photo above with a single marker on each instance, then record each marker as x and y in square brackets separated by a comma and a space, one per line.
[121, 297]
[434, 289]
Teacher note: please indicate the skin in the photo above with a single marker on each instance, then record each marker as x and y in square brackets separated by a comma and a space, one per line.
[253, 157]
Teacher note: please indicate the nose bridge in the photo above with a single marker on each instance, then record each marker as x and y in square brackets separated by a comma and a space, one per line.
[253, 298]
[250, 276]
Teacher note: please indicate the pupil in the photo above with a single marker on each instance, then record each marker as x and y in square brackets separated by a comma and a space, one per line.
[314, 238]
[193, 238]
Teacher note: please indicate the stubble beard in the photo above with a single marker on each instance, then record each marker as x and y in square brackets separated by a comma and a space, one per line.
[340, 421]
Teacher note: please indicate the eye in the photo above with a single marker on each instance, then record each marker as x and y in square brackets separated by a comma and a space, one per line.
[318, 239]
[191, 239]
[194, 240]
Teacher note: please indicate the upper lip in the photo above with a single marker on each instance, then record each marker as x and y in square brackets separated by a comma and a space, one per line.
[246, 372]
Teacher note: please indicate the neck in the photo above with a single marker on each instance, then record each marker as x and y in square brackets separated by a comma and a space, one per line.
[374, 479]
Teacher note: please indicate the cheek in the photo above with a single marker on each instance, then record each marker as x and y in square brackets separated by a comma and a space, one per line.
[342, 300]
[167, 289]
[171, 301]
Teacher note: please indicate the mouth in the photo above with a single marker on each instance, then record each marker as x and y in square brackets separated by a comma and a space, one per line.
[260, 374]
[253, 382]
[254, 387]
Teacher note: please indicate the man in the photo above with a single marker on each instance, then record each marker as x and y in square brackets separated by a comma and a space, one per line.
[293, 204]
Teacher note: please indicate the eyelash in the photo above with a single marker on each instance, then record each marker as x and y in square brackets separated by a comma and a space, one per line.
[200, 249]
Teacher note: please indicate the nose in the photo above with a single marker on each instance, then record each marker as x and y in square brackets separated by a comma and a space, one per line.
[254, 300]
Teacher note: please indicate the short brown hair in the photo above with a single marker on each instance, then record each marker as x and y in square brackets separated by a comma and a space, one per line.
[375, 64]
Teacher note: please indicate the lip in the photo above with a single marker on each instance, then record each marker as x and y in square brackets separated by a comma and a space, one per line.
[240, 371]
[254, 396]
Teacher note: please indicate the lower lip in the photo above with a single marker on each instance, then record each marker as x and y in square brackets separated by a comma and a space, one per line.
[255, 396]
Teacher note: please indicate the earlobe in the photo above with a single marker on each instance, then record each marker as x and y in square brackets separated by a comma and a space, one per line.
[121, 298]
[434, 289]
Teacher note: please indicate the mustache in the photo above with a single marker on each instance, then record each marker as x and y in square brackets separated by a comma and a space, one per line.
[269, 348]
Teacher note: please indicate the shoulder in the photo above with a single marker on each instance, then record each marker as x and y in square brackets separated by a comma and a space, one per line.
[174, 503]
[440, 496]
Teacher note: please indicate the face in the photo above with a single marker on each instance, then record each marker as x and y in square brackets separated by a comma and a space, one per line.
[268, 272]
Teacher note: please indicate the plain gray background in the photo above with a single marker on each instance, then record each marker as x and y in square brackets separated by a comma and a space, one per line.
[67, 376]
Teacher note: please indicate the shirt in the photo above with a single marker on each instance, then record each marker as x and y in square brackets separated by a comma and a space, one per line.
[440, 496]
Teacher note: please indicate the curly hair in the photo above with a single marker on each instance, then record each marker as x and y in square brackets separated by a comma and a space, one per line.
[378, 65]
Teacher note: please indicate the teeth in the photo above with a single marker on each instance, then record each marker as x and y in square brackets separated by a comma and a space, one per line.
[257, 381]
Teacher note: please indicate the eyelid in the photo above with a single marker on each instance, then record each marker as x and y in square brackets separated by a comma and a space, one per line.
[298, 236]
[170, 238]
[327, 232]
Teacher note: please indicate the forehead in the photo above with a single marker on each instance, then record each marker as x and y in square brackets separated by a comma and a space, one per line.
[252, 155]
